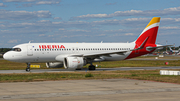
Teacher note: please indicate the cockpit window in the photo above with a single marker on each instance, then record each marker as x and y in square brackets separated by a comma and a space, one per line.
[16, 49]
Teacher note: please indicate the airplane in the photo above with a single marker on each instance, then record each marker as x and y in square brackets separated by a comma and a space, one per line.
[74, 56]
[174, 51]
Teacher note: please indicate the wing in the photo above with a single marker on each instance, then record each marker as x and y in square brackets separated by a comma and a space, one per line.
[96, 55]
[108, 54]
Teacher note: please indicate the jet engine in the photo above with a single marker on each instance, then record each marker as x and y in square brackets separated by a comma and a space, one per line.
[74, 62]
[54, 64]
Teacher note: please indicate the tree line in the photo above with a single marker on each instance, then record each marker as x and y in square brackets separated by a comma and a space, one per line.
[4, 50]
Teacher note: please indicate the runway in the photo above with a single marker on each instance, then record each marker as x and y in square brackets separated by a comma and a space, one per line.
[90, 90]
[84, 70]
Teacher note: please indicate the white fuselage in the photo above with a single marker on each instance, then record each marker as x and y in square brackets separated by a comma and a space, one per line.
[53, 52]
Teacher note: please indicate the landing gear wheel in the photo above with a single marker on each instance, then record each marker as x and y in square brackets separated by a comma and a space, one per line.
[92, 67]
[78, 69]
[27, 69]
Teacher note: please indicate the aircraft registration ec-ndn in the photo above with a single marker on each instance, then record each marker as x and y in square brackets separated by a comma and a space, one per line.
[76, 55]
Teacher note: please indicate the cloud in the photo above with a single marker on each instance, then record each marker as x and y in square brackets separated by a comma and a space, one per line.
[19, 0]
[47, 2]
[12, 41]
[89, 16]
[62, 29]
[38, 2]
[171, 27]
[130, 22]
[2, 5]
[78, 30]
[57, 18]
[44, 21]
[129, 34]
[146, 13]
[41, 35]
[111, 3]
[30, 3]
[84, 25]
[23, 15]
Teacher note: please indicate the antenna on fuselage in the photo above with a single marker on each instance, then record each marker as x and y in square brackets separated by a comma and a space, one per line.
[30, 41]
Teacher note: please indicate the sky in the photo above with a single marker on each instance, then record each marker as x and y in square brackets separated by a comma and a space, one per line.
[67, 21]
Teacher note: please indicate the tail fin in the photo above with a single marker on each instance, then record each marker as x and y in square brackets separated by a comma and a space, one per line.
[149, 34]
[170, 49]
[145, 43]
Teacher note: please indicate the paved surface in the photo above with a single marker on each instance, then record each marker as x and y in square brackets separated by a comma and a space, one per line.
[84, 70]
[90, 90]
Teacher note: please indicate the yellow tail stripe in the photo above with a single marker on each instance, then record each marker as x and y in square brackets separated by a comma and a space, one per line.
[154, 20]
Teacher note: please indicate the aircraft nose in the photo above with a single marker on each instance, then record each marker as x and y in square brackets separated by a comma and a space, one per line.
[6, 56]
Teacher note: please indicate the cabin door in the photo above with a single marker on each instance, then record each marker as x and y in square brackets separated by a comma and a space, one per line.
[29, 50]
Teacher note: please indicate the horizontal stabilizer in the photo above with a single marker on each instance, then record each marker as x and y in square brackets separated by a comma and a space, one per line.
[160, 46]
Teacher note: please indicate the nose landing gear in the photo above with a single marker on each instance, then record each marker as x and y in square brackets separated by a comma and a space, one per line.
[28, 67]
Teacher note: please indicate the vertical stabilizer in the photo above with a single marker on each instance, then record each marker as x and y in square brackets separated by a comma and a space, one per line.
[150, 31]
[146, 39]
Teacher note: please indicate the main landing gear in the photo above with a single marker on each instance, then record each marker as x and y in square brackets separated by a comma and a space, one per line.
[92, 67]
[28, 67]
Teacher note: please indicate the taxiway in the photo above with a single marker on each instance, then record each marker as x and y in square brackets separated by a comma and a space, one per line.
[85, 70]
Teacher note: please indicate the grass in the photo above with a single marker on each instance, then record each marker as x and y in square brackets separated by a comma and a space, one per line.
[138, 63]
[152, 75]
[88, 75]
[8, 65]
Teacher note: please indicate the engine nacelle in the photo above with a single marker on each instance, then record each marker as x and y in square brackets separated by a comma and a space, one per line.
[74, 62]
[54, 64]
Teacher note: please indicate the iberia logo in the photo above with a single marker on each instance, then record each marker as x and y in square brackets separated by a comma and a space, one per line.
[51, 46]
